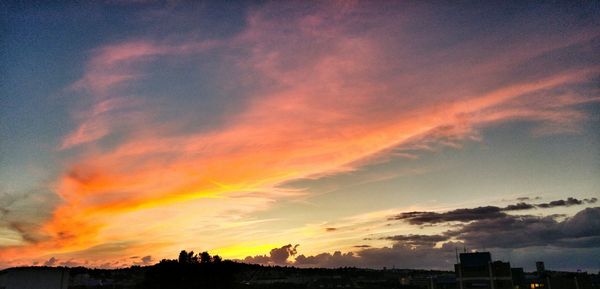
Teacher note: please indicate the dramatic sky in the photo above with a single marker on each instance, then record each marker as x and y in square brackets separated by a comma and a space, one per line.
[371, 134]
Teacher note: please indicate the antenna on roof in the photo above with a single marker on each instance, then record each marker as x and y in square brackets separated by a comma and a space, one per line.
[456, 250]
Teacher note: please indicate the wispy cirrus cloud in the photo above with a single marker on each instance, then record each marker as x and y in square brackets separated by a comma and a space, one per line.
[322, 90]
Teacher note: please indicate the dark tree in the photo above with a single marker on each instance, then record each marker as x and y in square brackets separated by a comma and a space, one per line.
[191, 258]
[174, 274]
[183, 257]
[217, 259]
[205, 257]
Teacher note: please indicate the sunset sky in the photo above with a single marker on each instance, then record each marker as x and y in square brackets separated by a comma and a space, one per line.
[370, 134]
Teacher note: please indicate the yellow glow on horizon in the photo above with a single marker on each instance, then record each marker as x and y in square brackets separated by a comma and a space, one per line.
[244, 249]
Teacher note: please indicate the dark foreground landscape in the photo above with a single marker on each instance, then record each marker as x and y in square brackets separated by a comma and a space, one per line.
[474, 270]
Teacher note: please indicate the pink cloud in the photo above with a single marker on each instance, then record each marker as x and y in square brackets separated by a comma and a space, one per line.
[323, 97]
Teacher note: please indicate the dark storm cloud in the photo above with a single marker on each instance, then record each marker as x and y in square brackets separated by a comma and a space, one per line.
[580, 231]
[505, 235]
[519, 231]
[418, 240]
[488, 227]
[465, 215]
[519, 206]
[566, 203]
[458, 215]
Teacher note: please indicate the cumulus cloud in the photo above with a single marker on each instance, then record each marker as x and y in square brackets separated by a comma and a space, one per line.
[277, 256]
[580, 231]
[399, 255]
[51, 262]
[337, 259]
[500, 230]
[71, 263]
[505, 235]
[147, 259]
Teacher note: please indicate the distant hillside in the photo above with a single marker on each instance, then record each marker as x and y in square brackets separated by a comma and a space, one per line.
[173, 274]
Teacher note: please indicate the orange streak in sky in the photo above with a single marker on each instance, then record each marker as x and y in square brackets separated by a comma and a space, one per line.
[320, 116]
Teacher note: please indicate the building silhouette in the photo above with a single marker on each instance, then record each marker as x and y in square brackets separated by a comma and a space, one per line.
[478, 271]
[540, 267]
[34, 278]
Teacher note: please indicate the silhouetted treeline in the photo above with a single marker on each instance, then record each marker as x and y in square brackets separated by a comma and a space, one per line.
[192, 271]
[191, 258]
[197, 271]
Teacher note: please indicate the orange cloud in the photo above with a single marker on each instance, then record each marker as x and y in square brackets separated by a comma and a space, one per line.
[323, 98]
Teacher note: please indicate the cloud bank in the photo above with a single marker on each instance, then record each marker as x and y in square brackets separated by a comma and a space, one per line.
[479, 213]
[507, 236]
